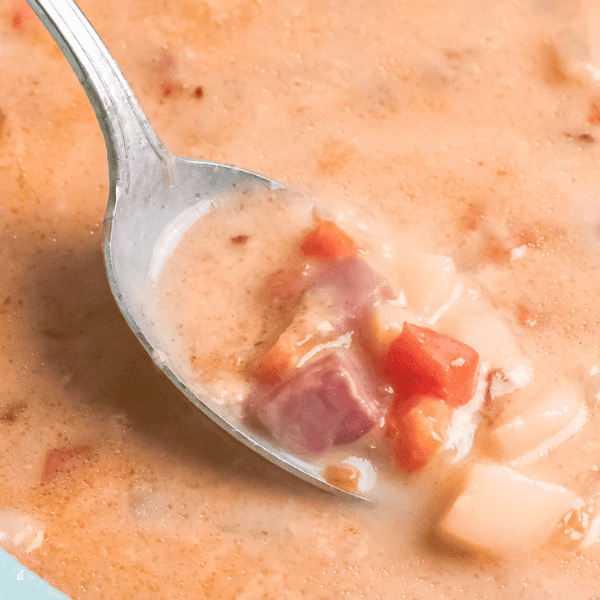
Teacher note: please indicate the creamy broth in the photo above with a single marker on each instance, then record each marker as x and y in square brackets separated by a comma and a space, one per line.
[424, 117]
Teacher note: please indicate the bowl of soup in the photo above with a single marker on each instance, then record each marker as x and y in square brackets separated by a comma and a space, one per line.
[456, 144]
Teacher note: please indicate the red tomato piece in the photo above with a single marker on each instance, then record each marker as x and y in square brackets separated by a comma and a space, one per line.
[417, 435]
[271, 367]
[328, 241]
[594, 116]
[22, 15]
[423, 362]
[62, 461]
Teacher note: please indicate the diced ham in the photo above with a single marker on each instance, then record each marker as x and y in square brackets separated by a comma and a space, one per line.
[355, 285]
[325, 300]
[325, 403]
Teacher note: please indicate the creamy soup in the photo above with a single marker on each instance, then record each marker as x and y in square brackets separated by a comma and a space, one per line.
[471, 129]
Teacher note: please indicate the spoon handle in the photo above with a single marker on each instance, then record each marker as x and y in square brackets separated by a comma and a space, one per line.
[127, 132]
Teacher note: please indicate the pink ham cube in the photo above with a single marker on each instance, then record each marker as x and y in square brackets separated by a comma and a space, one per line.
[325, 403]
[356, 286]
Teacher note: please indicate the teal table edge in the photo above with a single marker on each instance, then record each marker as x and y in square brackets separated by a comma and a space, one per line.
[19, 583]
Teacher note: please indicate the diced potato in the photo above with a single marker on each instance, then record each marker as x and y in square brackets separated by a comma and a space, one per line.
[387, 321]
[590, 544]
[503, 512]
[426, 279]
[540, 418]
[491, 336]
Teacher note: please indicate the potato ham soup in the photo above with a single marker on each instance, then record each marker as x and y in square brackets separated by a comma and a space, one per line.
[455, 146]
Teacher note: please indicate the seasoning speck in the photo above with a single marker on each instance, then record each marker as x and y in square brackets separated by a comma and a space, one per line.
[239, 239]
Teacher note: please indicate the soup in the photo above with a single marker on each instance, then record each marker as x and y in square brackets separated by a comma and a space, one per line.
[469, 127]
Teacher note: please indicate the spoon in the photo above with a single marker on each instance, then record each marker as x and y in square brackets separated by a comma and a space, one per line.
[153, 197]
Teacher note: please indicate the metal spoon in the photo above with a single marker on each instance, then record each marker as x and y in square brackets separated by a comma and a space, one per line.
[152, 194]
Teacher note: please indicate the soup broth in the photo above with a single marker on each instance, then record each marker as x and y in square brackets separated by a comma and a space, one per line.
[470, 129]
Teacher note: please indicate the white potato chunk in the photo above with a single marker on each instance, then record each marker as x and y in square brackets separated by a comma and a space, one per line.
[503, 512]
[386, 325]
[426, 279]
[591, 542]
[536, 420]
[491, 336]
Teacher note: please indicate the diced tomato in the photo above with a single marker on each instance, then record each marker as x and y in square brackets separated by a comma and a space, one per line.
[473, 216]
[270, 367]
[532, 315]
[423, 362]
[417, 435]
[526, 314]
[22, 15]
[342, 476]
[62, 461]
[594, 115]
[525, 234]
[356, 287]
[497, 248]
[328, 241]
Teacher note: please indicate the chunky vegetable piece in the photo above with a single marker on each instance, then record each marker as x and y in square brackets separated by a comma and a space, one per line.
[315, 322]
[503, 512]
[355, 287]
[342, 476]
[423, 362]
[271, 367]
[325, 403]
[492, 338]
[417, 435]
[426, 279]
[386, 323]
[283, 289]
[327, 241]
[542, 417]
[335, 300]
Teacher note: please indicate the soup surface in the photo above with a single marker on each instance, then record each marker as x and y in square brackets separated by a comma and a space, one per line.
[471, 129]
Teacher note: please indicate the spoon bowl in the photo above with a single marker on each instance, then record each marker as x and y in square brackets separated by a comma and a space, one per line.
[154, 197]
